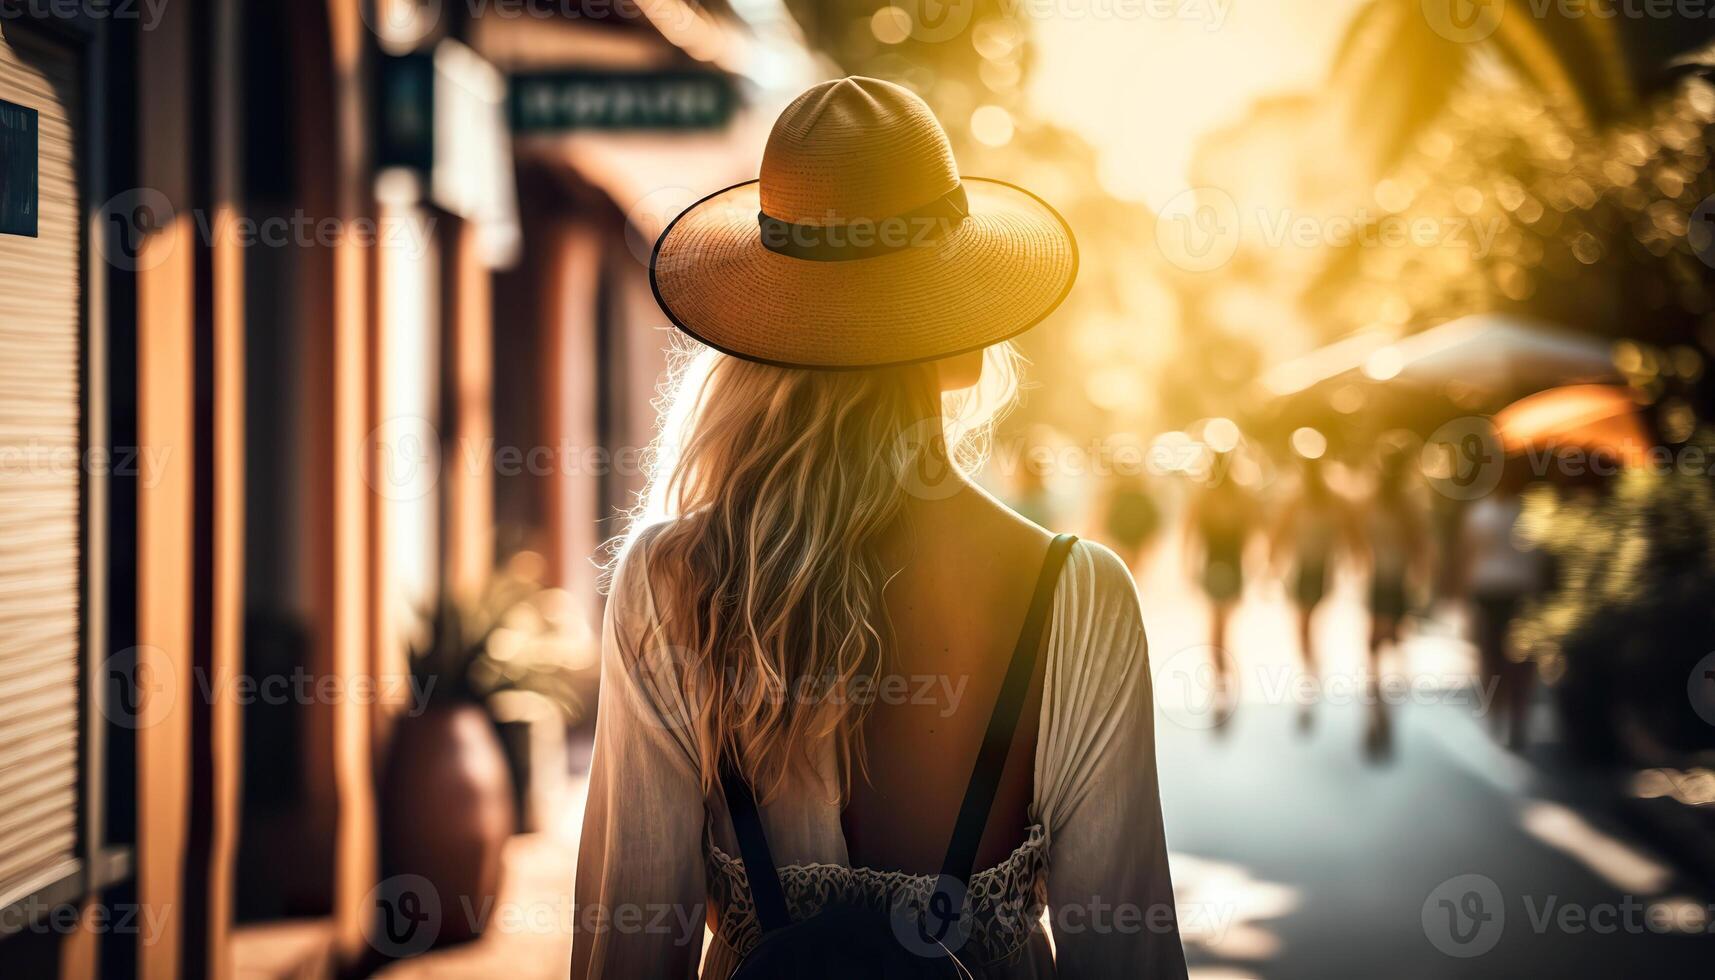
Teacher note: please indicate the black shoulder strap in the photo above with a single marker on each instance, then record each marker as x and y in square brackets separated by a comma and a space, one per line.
[765, 889]
[991, 760]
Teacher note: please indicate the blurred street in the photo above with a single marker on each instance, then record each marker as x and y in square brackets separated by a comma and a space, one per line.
[1296, 856]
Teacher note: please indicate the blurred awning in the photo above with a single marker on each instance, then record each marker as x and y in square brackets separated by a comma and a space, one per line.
[1371, 381]
[653, 174]
[1343, 356]
[1493, 353]
[1594, 418]
[651, 177]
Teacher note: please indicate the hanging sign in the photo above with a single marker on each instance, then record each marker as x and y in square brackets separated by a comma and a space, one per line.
[659, 100]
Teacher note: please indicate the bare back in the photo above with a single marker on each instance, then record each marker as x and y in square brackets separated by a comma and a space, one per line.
[966, 569]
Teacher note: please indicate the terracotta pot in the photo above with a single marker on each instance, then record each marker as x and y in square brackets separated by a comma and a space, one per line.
[446, 812]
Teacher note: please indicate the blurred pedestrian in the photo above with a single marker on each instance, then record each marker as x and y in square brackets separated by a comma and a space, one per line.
[1310, 530]
[1131, 518]
[1218, 526]
[1502, 572]
[1397, 539]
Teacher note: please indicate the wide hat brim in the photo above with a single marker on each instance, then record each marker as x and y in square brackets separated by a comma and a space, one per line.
[996, 274]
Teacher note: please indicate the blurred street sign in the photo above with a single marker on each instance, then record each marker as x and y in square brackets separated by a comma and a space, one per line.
[566, 101]
[18, 170]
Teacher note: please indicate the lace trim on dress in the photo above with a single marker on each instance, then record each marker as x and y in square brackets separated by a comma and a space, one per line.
[1005, 902]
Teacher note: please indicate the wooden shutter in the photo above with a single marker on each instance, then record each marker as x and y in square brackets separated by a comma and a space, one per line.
[41, 484]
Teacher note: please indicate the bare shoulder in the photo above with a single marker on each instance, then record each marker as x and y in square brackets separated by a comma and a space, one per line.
[1000, 524]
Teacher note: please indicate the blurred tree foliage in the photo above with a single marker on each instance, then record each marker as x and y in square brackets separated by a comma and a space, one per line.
[1632, 614]
[966, 56]
[1604, 231]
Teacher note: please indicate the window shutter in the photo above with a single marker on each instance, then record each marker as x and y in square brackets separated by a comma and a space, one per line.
[41, 484]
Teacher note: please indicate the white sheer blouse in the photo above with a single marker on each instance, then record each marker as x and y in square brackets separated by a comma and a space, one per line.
[656, 855]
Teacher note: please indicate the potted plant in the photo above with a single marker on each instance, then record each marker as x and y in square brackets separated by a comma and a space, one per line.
[449, 796]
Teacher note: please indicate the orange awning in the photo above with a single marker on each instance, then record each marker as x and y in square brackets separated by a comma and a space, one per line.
[1594, 418]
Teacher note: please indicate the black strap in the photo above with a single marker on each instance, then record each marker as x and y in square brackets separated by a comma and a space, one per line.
[997, 741]
[866, 238]
[765, 889]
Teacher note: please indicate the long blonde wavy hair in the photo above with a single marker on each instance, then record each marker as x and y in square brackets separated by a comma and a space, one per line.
[768, 491]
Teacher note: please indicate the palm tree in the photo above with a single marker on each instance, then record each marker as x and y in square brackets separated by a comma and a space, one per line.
[1597, 62]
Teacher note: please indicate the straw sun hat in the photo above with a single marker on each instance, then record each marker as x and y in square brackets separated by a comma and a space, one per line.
[860, 245]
